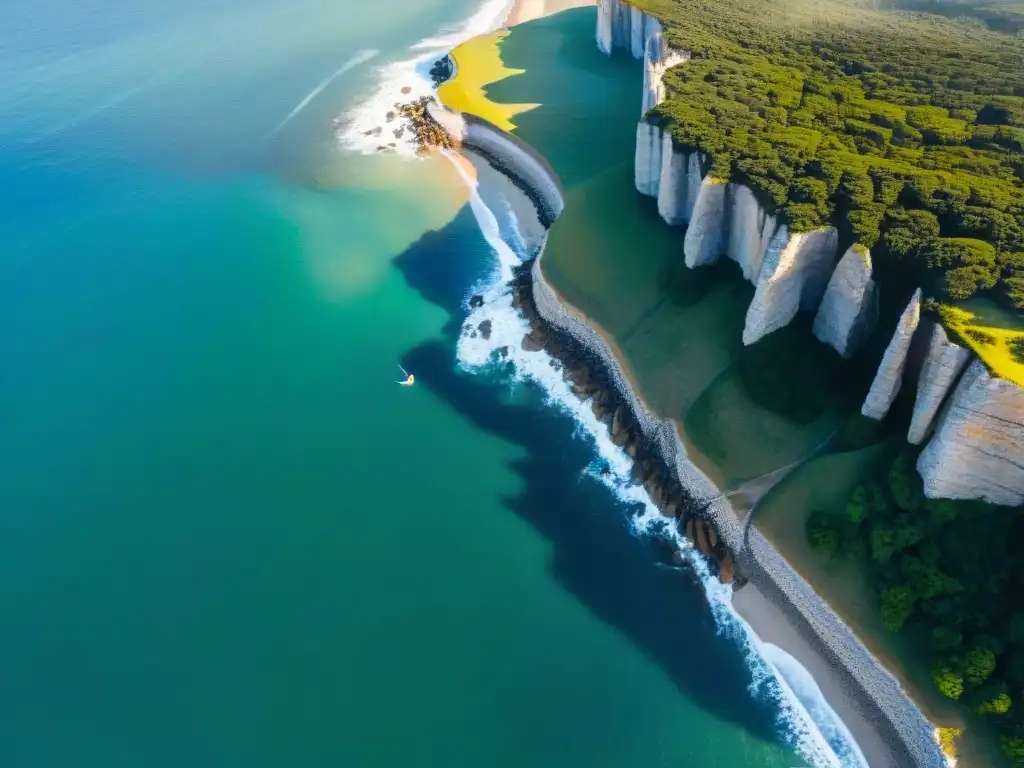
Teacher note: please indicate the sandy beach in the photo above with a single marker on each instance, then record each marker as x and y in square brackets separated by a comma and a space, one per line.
[528, 10]
[772, 626]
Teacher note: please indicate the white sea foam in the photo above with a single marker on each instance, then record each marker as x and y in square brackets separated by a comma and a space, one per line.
[804, 718]
[360, 57]
[413, 73]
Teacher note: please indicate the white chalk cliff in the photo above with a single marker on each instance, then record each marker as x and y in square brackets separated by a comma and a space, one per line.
[793, 276]
[647, 160]
[705, 237]
[621, 27]
[679, 182]
[750, 231]
[889, 377]
[849, 308]
[943, 363]
[977, 451]
[658, 57]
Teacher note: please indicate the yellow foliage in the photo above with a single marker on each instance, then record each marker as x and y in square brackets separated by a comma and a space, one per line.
[478, 64]
[976, 315]
[947, 740]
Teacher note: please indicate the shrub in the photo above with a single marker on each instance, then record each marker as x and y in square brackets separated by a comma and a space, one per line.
[949, 683]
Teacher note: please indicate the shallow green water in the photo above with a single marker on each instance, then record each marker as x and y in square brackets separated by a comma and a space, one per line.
[612, 256]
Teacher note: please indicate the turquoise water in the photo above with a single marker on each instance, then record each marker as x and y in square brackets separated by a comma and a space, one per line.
[226, 538]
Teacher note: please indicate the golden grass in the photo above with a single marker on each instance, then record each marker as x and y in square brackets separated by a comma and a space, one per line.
[478, 64]
[981, 316]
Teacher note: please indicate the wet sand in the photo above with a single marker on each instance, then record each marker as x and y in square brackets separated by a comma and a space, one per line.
[772, 626]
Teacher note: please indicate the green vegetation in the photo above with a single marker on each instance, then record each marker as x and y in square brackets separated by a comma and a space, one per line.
[996, 338]
[947, 573]
[904, 127]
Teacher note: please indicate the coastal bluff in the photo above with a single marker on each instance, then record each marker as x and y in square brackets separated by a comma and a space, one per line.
[803, 271]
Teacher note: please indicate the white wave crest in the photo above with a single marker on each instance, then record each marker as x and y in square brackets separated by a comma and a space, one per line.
[412, 73]
[805, 720]
[360, 57]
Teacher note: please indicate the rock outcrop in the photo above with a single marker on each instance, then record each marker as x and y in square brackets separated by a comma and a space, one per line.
[647, 161]
[849, 308]
[679, 183]
[943, 363]
[750, 231]
[977, 451]
[793, 276]
[706, 235]
[889, 377]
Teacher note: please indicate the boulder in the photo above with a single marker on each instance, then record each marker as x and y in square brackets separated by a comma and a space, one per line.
[702, 538]
[726, 570]
[849, 308]
[889, 377]
[977, 451]
[532, 342]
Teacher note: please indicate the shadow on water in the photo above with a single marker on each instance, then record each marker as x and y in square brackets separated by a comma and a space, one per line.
[614, 574]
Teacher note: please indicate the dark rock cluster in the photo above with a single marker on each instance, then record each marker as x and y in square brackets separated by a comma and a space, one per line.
[588, 379]
[441, 71]
[426, 132]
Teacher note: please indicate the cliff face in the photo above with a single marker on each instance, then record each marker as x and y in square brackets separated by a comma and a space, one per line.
[657, 58]
[679, 182]
[943, 363]
[793, 276]
[705, 237]
[621, 27]
[977, 451]
[889, 377]
[849, 308]
[647, 161]
[750, 231]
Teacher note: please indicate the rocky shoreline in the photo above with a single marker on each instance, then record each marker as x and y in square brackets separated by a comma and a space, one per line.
[685, 496]
[644, 439]
[738, 555]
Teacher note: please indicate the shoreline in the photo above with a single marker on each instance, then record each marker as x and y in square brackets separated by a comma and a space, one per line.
[778, 606]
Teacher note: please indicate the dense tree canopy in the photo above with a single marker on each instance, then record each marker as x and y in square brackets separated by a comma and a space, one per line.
[948, 572]
[903, 127]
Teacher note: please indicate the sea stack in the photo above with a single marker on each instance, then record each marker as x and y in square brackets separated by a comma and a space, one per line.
[849, 308]
[889, 376]
[943, 363]
[977, 451]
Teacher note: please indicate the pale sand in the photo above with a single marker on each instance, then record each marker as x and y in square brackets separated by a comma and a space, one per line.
[528, 10]
[771, 625]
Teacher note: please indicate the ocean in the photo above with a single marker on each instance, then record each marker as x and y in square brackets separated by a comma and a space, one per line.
[226, 536]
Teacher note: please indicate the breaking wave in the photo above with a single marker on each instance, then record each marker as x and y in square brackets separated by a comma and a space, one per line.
[804, 718]
[412, 73]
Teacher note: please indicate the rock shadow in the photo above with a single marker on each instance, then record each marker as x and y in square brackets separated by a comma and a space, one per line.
[620, 578]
